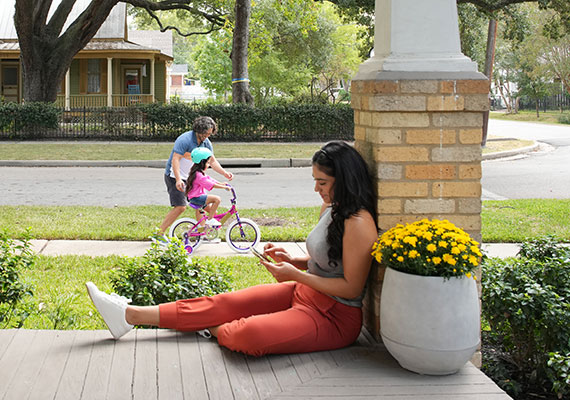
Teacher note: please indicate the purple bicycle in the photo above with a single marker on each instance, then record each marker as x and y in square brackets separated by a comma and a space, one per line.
[241, 235]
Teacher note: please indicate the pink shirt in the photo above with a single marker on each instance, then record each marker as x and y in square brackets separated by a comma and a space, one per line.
[202, 184]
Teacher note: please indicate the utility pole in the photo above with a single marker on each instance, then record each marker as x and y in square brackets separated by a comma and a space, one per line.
[489, 61]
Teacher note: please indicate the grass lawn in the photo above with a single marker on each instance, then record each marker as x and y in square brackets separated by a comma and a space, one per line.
[145, 151]
[502, 221]
[60, 300]
[549, 117]
[139, 222]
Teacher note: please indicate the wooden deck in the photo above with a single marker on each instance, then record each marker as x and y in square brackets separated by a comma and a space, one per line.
[163, 364]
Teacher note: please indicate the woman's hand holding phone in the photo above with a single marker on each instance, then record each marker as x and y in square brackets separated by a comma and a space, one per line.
[260, 255]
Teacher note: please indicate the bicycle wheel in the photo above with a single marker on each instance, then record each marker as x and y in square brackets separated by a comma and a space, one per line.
[181, 228]
[242, 236]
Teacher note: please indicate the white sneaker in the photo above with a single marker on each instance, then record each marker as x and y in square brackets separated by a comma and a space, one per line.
[211, 241]
[205, 333]
[162, 240]
[112, 309]
[214, 223]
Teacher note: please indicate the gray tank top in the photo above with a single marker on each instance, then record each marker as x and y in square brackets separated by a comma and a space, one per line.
[318, 264]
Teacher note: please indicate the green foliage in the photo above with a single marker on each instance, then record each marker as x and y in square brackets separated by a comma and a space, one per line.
[526, 302]
[564, 119]
[166, 274]
[238, 122]
[559, 373]
[28, 117]
[14, 257]
[173, 117]
[543, 248]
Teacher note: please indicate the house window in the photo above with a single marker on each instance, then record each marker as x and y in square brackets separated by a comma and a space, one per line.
[93, 76]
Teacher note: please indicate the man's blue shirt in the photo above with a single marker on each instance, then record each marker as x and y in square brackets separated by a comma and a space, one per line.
[185, 143]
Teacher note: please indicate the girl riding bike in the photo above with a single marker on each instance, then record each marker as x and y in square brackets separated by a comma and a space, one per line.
[198, 184]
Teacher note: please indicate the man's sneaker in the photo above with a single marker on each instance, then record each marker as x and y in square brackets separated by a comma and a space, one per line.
[162, 240]
[112, 308]
[214, 223]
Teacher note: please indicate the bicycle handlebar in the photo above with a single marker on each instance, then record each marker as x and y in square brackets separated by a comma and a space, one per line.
[234, 196]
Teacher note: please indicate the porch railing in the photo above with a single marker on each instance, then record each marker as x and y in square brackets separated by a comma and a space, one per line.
[100, 100]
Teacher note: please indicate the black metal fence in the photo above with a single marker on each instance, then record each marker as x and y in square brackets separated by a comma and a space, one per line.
[556, 102]
[294, 123]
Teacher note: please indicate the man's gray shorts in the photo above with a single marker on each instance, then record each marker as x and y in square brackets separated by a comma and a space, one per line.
[177, 198]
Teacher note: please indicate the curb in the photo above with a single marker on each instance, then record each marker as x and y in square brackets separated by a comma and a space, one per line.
[510, 153]
[225, 162]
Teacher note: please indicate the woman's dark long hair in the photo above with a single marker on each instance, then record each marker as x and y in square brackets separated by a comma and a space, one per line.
[201, 166]
[353, 190]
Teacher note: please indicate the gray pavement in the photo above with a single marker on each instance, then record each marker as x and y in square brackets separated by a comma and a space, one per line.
[95, 248]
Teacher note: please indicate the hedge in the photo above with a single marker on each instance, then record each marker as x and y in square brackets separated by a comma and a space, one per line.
[153, 122]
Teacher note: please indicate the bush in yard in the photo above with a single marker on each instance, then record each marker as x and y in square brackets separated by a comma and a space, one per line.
[165, 274]
[526, 302]
[14, 257]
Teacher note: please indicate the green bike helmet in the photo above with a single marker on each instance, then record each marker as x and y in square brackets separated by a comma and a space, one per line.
[200, 154]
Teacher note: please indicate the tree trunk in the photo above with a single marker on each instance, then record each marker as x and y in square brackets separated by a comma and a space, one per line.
[240, 75]
[489, 61]
[537, 109]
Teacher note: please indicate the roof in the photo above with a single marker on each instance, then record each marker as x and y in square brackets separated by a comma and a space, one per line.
[154, 40]
[179, 69]
[112, 28]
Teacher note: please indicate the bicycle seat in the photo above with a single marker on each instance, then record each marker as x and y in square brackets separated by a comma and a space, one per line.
[194, 206]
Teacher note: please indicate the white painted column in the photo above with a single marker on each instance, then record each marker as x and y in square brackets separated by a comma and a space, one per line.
[413, 35]
[67, 90]
[109, 82]
[152, 79]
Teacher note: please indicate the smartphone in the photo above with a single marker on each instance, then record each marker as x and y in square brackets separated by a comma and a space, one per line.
[260, 255]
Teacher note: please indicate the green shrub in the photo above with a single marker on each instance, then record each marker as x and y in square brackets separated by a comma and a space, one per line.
[166, 274]
[14, 257]
[564, 119]
[543, 248]
[559, 373]
[526, 302]
[239, 122]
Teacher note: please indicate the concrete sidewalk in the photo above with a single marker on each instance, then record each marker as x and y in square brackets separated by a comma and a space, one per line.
[95, 248]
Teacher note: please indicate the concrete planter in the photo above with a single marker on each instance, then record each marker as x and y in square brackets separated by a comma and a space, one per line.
[430, 325]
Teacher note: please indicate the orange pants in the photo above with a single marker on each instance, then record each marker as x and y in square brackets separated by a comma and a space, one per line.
[269, 319]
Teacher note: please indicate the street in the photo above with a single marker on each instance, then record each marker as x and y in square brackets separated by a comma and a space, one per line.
[541, 174]
[255, 187]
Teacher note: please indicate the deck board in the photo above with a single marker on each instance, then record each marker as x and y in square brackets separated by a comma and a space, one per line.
[163, 364]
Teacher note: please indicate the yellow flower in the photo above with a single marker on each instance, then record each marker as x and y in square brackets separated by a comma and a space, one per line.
[400, 258]
[455, 250]
[431, 247]
[436, 260]
[442, 243]
[411, 240]
[413, 254]
[468, 274]
[448, 258]
[473, 260]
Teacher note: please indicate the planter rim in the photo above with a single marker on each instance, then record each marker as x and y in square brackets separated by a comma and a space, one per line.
[426, 276]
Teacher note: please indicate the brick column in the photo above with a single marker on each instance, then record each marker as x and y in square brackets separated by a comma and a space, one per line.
[421, 134]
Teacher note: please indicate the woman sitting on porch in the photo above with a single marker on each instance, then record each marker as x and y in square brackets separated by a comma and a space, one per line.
[319, 309]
